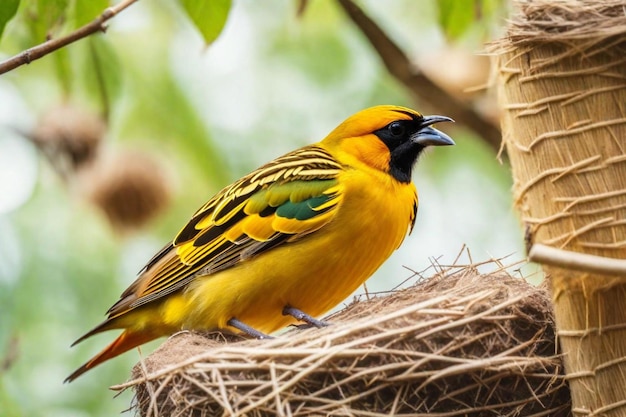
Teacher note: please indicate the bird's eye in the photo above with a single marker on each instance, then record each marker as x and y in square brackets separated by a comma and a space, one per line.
[396, 129]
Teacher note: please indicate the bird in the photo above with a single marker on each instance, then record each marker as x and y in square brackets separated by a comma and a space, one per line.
[287, 242]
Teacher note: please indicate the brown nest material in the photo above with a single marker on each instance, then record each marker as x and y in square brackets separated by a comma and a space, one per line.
[566, 21]
[561, 72]
[458, 344]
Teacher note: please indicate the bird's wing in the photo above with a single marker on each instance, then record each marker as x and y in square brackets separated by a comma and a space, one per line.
[279, 203]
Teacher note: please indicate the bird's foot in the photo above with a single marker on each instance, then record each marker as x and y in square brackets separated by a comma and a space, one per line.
[250, 331]
[302, 316]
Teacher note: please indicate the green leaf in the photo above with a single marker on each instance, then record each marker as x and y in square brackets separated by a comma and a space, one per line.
[41, 20]
[87, 10]
[7, 11]
[456, 16]
[63, 67]
[103, 72]
[209, 16]
[44, 18]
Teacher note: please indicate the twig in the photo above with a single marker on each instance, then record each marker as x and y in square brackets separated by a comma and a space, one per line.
[399, 65]
[36, 52]
[577, 261]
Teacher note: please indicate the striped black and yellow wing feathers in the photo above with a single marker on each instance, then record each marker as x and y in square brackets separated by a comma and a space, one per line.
[284, 200]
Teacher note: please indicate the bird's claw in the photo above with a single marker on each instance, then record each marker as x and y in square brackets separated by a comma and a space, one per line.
[250, 331]
[302, 316]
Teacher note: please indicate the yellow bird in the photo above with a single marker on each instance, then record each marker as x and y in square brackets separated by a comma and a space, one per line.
[285, 243]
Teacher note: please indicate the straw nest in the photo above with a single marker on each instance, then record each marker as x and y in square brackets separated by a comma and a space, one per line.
[566, 20]
[460, 343]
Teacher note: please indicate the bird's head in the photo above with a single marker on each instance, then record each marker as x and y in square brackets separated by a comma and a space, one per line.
[387, 138]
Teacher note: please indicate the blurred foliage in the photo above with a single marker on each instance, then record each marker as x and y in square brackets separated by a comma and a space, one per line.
[458, 17]
[84, 11]
[209, 17]
[7, 11]
[274, 80]
[45, 18]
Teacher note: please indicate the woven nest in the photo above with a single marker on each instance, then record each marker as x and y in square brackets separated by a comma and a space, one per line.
[561, 72]
[562, 83]
[566, 21]
[460, 343]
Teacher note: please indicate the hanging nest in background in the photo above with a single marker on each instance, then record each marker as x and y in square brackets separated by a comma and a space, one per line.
[129, 187]
[460, 343]
[70, 136]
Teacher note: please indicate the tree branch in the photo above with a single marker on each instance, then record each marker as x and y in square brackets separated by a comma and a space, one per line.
[577, 261]
[399, 65]
[36, 52]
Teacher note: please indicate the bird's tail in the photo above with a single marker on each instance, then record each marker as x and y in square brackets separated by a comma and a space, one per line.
[124, 342]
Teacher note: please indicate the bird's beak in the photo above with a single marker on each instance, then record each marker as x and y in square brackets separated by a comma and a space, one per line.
[428, 136]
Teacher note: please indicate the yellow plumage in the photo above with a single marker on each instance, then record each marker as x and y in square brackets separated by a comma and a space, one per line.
[303, 231]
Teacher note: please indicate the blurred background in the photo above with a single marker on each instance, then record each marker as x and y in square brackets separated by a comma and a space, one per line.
[108, 146]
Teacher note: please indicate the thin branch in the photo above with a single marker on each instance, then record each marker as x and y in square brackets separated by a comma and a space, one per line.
[36, 52]
[399, 65]
[577, 261]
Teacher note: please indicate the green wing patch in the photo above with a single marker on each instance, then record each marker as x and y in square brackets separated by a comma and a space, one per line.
[278, 194]
[303, 210]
